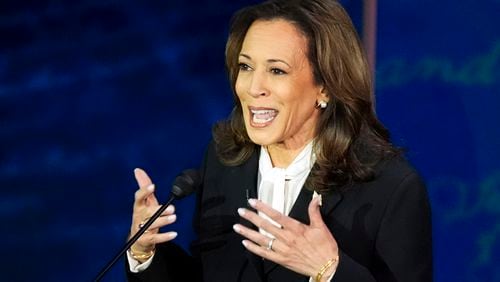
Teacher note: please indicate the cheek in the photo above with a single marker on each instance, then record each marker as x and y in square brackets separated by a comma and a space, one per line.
[241, 97]
[295, 113]
[299, 110]
[238, 88]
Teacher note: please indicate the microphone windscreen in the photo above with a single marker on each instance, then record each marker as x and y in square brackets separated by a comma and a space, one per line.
[186, 183]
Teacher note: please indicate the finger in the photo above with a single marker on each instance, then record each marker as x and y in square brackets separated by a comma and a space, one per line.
[259, 238]
[253, 235]
[142, 195]
[142, 218]
[142, 215]
[261, 222]
[149, 240]
[145, 234]
[163, 221]
[275, 215]
[142, 178]
[148, 212]
[144, 181]
[262, 252]
[153, 209]
[315, 218]
[169, 210]
[163, 237]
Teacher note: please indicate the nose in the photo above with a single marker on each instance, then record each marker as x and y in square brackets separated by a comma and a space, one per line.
[258, 85]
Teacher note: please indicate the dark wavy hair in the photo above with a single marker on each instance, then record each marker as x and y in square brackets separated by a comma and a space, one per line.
[350, 139]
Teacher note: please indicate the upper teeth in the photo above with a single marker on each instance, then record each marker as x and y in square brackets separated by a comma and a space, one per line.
[263, 116]
[262, 112]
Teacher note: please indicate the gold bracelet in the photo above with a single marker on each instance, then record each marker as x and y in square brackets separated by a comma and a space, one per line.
[142, 256]
[324, 268]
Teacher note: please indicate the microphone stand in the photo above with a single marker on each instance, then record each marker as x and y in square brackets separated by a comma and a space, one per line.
[134, 238]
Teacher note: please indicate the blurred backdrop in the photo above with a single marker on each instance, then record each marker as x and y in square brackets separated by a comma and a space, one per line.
[91, 89]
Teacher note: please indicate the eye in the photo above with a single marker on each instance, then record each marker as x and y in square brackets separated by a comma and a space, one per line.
[278, 71]
[244, 67]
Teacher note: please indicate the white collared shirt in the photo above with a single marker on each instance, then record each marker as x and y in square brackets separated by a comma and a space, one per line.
[280, 187]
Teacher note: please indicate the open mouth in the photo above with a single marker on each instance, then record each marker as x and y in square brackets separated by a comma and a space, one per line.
[260, 117]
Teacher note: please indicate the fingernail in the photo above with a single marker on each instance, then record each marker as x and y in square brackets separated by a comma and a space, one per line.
[171, 217]
[320, 200]
[173, 234]
[170, 209]
[241, 211]
[252, 202]
[151, 188]
[245, 243]
[236, 228]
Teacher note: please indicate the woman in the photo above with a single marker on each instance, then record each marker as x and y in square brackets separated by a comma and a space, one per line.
[330, 198]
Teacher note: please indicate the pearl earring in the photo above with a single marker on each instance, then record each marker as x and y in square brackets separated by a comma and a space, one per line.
[321, 104]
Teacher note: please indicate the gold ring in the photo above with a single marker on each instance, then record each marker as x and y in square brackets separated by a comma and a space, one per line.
[141, 225]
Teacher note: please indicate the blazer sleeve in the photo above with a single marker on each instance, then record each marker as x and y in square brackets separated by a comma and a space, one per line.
[403, 245]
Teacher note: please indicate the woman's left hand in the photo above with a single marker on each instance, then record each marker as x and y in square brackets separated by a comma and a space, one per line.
[301, 248]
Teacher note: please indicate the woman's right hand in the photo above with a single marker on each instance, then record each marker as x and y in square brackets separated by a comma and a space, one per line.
[145, 205]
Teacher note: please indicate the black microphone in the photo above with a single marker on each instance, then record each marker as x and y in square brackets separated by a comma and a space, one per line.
[184, 184]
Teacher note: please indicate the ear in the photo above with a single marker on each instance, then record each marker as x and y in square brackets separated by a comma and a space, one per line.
[323, 95]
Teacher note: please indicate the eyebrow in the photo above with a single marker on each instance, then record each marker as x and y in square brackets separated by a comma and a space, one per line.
[270, 60]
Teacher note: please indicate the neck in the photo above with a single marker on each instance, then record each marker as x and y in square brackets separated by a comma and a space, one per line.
[283, 154]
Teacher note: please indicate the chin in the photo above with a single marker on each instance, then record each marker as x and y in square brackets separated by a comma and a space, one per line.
[261, 138]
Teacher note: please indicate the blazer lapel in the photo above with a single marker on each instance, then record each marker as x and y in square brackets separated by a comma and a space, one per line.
[329, 202]
[299, 209]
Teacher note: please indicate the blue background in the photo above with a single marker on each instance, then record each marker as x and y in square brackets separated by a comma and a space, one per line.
[90, 89]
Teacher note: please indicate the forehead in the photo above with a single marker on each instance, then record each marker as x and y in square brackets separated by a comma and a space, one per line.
[274, 38]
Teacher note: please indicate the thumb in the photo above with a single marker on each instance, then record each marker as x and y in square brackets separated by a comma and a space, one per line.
[315, 218]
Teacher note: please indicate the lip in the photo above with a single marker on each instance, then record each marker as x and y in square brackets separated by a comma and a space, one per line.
[272, 112]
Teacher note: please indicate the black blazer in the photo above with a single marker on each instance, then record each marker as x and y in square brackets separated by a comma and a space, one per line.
[382, 227]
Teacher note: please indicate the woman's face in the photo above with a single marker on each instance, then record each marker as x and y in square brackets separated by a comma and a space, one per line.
[275, 85]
